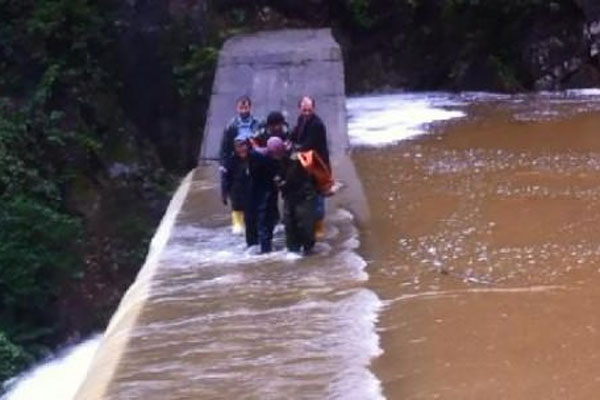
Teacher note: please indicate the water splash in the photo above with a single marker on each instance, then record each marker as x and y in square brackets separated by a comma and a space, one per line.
[58, 378]
[383, 120]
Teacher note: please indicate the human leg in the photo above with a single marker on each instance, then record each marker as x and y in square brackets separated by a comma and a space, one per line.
[289, 220]
[319, 227]
[305, 213]
[251, 227]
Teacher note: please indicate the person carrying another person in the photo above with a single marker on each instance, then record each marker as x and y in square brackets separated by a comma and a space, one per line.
[275, 125]
[243, 126]
[299, 191]
[310, 134]
[249, 181]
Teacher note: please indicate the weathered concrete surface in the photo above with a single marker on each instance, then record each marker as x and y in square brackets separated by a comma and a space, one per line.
[275, 69]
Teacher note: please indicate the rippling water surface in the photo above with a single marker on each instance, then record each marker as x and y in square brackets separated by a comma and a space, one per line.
[484, 244]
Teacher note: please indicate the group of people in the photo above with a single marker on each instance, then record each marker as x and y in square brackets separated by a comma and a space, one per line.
[260, 160]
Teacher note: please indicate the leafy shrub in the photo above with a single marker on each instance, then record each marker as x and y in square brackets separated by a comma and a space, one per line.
[38, 247]
[12, 358]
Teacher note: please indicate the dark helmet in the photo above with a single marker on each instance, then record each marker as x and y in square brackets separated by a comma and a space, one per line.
[275, 118]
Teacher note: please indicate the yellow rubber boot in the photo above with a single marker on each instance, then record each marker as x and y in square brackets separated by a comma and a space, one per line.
[238, 224]
[320, 231]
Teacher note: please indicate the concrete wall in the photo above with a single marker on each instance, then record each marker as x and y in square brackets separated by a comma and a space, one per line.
[275, 69]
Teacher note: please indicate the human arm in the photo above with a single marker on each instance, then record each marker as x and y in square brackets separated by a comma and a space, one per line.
[226, 148]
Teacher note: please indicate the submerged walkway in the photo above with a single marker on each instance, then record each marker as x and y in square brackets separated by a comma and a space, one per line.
[204, 319]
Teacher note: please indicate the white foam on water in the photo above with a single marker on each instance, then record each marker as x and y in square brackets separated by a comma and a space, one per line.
[389, 119]
[382, 120]
[584, 92]
[198, 246]
[58, 378]
[319, 311]
[356, 381]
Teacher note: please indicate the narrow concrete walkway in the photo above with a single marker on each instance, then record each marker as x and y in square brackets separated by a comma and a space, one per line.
[275, 69]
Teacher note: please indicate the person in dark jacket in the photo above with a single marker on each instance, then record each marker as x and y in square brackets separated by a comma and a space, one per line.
[243, 126]
[299, 191]
[249, 181]
[235, 184]
[262, 213]
[310, 134]
[275, 125]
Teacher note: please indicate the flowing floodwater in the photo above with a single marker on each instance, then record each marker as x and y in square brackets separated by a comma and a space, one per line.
[484, 244]
[219, 321]
[57, 378]
[475, 276]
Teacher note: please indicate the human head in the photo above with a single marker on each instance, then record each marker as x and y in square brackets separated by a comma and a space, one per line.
[307, 106]
[276, 147]
[275, 122]
[241, 148]
[244, 106]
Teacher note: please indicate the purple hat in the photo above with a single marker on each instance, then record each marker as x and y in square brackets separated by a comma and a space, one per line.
[275, 146]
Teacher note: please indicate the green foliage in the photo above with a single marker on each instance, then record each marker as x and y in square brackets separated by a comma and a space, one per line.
[30, 140]
[506, 72]
[195, 69]
[39, 241]
[62, 124]
[52, 71]
[506, 6]
[12, 358]
[38, 247]
[360, 11]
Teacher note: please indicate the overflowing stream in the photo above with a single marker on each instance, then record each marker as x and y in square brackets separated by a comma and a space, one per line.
[474, 277]
[484, 245]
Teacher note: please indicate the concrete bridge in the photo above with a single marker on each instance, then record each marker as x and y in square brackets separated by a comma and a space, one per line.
[145, 353]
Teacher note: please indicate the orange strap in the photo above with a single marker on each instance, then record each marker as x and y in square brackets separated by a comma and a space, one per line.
[315, 166]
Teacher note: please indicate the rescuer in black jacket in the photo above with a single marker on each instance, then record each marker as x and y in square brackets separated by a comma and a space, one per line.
[275, 125]
[299, 191]
[243, 126]
[310, 134]
[249, 180]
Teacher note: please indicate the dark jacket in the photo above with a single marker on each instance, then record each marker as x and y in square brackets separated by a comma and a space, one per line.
[311, 134]
[299, 193]
[296, 184]
[261, 211]
[249, 183]
[235, 182]
[263, 134]
[232, 130]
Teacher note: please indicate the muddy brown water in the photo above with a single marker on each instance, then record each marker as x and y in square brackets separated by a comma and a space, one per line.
[484, 244]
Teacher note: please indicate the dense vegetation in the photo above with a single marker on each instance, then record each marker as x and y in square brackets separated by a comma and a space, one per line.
[503, 45]
[81, 187]
[102, 105]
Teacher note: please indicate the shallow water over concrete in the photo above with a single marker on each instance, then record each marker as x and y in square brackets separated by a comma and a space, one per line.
[220, 322]
[484, 244]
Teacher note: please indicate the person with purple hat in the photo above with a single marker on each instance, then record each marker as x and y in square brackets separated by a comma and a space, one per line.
[299, 191]
[262, 213]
